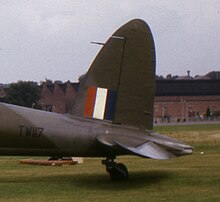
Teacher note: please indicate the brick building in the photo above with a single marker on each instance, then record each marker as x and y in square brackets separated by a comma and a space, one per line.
[186, 100]
[58, 97]
[175, 100]
[2, 92]
[3, 89]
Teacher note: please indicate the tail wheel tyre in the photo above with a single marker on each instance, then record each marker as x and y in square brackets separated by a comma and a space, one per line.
[119, 172]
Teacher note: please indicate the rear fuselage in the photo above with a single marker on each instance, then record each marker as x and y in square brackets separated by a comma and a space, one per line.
[30, 132]
[26, 131]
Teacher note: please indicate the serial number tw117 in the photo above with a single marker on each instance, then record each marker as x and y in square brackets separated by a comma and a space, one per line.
[30, 131]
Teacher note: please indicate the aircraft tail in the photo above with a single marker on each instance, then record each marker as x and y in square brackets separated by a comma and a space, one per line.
[120, 84]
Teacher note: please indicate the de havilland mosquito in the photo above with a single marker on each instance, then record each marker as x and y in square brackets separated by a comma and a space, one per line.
[111, 116]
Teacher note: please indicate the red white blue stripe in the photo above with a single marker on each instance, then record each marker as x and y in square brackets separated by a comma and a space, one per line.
[100, 103]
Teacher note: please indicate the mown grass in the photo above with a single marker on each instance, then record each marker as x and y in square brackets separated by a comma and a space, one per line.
[205, 136]
[189, 178]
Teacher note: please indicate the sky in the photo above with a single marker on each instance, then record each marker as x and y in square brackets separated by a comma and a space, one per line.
[51, 39]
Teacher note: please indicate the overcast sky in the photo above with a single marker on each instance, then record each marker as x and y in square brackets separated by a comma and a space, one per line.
[50, 39]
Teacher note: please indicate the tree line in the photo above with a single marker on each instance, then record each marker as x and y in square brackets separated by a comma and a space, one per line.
[22, 93]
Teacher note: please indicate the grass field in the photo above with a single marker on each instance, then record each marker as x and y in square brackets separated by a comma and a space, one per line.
[189, 178]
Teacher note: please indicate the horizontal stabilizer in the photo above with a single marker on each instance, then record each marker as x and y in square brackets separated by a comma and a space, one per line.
[148, 150]
[137, 146]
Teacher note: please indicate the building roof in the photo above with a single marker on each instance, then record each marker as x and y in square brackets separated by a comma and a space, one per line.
[50, 87]
[63, 87]
[75, 86]
[187, 87]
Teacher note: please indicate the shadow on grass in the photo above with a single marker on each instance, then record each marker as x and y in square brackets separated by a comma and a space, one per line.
[136, 180]
[95, 181]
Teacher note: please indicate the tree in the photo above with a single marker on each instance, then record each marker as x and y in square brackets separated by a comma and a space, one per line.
[157, 77]
[23, 93]
[82, 77]
[208, 112]
[47, 81]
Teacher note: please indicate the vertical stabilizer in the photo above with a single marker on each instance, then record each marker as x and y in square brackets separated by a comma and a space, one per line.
[119, 86]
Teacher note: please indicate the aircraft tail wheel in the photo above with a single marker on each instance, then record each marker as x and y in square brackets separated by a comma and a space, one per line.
[118, 172]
